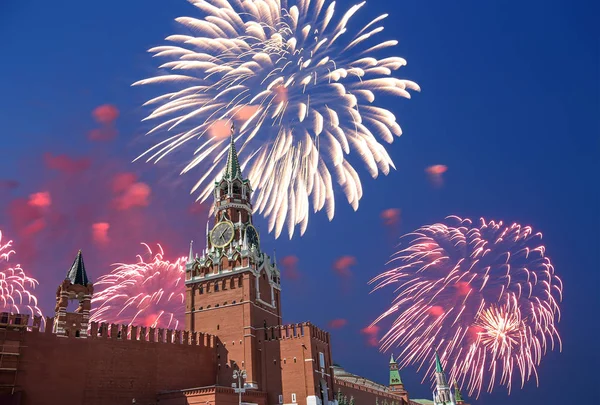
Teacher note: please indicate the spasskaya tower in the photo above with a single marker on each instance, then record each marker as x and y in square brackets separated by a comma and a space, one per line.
[233, 287]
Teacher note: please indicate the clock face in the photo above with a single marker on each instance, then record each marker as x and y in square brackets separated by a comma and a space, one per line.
[222, 234]
[252, 236]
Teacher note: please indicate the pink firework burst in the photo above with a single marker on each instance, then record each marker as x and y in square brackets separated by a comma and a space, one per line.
[486, 297]
[16, 287]
[145, 294]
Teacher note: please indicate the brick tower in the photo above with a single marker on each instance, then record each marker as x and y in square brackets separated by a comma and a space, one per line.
[396, 386]
[76, 286]
[233, 288]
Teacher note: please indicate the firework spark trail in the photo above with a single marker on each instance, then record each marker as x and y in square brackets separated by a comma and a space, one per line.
[302, 91]
[144, 294]
[486, 297]
[15, 286]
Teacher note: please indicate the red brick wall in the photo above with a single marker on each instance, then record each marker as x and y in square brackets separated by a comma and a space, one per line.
[106, 370]
[210, 396]
[363, 395]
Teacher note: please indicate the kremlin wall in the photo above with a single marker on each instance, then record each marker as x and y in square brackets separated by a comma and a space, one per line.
[233, 324]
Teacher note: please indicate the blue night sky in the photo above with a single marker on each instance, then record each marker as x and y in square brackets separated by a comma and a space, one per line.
[509, 103]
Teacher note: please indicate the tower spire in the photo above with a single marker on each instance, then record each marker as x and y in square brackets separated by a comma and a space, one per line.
[77, 273]
[232, 170]
[438, 363]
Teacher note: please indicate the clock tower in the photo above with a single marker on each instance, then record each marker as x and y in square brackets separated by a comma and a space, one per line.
[233, 287]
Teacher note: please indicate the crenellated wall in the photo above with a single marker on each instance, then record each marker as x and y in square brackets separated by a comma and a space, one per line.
[347, 391]
[115, 364]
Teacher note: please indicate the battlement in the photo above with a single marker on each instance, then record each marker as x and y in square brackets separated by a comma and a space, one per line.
[18, 321]
[112, 331]
[296, 330]
[359, 385]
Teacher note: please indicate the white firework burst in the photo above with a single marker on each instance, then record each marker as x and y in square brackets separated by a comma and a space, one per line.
[301, 89]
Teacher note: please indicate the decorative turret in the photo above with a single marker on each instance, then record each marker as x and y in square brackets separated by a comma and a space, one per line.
[75, 286]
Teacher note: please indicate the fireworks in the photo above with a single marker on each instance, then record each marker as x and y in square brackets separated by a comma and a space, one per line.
[302, 90]
[486, 297]
[15, 286]
[144, 294]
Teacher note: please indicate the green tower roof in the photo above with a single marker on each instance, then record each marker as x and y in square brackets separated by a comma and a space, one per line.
[457, 395]
[394, 373]
[438, 364]
[232, 170]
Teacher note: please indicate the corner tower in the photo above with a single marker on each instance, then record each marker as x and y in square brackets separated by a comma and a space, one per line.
[233, 287]
[396, 385]
[76, 286]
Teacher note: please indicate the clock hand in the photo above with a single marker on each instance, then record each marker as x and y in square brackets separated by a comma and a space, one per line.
[222, 233]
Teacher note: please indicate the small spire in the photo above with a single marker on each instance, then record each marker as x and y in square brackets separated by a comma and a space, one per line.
[274, 257]
[457, 395]
[392, 359]
[77, 273]
[191, 256]
[245, 243]
[438, 363]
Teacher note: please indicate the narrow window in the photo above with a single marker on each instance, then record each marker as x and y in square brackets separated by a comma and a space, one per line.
[294, 398]
[281, 399]
[321, 360]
